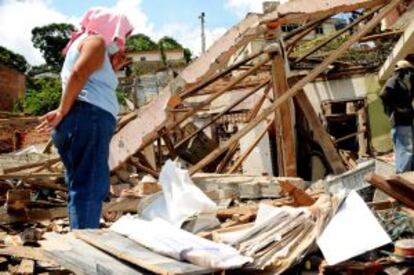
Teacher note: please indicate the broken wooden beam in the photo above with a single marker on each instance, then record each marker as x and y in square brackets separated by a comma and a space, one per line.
[222, 113]
[290, 41]
[383, 35]
[144, 168]
[38, 214]
[300, 197]
[132, 252]
[219, 75]
[221, 92]
[296, 88]
[17, 199]
[300, 10]
[30, 165]
[30, 175]
[401, 192]
[284, 125]
[320, 134]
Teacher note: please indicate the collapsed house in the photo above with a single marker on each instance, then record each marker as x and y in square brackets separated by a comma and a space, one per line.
[254, 120]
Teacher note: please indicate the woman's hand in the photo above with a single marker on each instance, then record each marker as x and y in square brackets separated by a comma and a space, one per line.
[50, 121]
[119, 60]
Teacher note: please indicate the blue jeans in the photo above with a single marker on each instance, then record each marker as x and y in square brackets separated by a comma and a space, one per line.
[402, 137]
[82, 139]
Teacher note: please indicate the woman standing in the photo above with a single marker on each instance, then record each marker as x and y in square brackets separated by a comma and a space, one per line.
[83, 124]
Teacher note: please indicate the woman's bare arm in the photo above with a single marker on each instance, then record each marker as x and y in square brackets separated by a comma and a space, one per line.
[91, 58]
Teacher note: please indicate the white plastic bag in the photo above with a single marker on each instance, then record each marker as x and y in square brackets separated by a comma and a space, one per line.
[180, 198]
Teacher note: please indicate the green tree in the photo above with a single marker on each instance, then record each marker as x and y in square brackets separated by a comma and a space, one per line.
[169, 43]
[188, 55]
[141, 42]
[43, 95]
[50, 40]
[13, 60]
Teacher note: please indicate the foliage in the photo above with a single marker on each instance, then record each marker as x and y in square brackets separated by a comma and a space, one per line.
[140, 42]
[43, 95]
[168, 43]
[187, 55]
[13, 60]
[50, 40]
[121, 96]
[36, 70]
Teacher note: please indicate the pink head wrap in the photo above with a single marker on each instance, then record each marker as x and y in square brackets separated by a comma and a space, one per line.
[112, 26]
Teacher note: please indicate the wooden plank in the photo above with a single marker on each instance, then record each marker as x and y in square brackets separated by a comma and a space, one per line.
[82, 258]
[26, 252]
[400, 191]
[383, 35]
[296, 88]
[300, 197]
[40, 214]
[30, 175]
[402, 182]
[284, 125]
[30, 165]
[299, 10]
[44, 183]
[197, 88]
[17, 199]
[130, 251]
[320, 134]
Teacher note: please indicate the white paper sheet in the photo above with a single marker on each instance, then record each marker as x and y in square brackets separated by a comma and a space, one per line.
[162, 237]
[351, 232]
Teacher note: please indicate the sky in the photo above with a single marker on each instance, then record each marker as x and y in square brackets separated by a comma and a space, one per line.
[155, 18]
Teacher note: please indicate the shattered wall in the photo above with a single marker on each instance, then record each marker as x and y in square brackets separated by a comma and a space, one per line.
[12, 87]
[358, 86]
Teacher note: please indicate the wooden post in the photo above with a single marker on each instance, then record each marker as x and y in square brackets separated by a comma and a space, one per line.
[321, 136]
[297, 87]
[284, 120]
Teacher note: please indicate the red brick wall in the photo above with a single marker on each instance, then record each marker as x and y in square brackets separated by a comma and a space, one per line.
[12, 87]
